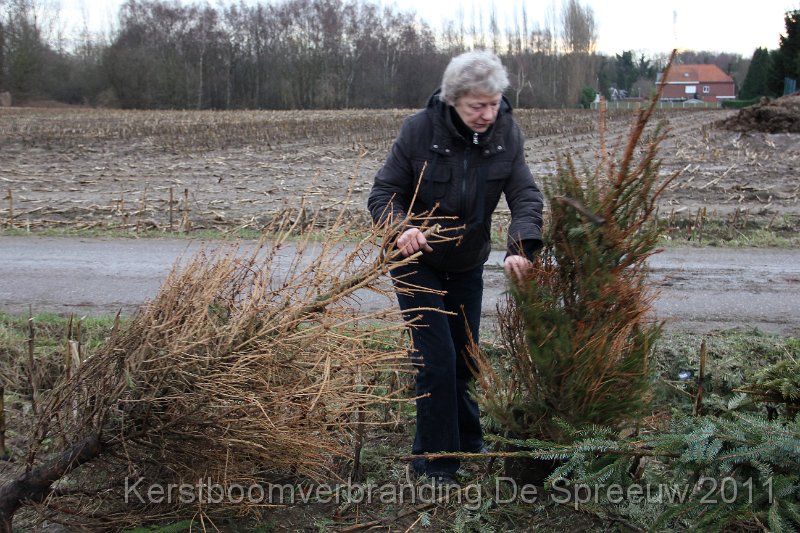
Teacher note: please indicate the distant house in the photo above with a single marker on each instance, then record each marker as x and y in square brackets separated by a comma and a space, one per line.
[707, 83]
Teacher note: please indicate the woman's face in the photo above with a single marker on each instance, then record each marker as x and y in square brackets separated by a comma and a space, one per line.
[478, 111]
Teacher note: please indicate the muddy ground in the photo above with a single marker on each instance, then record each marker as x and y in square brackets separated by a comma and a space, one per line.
[79, 168]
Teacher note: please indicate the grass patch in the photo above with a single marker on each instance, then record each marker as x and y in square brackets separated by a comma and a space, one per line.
[51, 330]
[209, 234]
[734, 356]
[123, 233]
[733, 232]
[50, 335]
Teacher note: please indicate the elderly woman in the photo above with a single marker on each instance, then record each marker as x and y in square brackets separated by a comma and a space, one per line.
[471, 151]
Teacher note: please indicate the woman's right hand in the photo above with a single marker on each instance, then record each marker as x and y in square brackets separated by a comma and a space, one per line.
[412, 241]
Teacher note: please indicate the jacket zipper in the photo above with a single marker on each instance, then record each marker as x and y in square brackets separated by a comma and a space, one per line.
[466, 174]
[464, 183]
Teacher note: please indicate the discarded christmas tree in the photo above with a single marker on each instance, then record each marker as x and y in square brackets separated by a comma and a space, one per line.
[252, 367]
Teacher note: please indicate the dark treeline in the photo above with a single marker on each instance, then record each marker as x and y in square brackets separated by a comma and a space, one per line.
[300, 54]
[770, 70]
[305, 54]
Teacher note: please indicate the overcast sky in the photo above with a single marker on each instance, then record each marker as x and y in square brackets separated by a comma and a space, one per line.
[651, 26]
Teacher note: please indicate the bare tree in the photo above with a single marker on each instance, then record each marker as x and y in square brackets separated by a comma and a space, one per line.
[296, 54]
[494, 28]
[25, 49]
[204, 35]
[579, 36]
[2, 55]
[579, 30]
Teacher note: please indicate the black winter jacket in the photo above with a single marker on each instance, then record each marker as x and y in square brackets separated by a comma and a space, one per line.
[463, 181]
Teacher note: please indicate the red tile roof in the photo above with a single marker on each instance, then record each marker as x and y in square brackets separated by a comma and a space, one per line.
[696, 74]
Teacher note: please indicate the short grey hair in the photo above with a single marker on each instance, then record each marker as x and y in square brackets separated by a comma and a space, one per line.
[478, 71]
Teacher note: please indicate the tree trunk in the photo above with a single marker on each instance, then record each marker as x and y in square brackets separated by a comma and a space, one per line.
[34, 485]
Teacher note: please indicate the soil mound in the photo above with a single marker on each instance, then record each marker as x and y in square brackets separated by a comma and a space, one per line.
[781, 115]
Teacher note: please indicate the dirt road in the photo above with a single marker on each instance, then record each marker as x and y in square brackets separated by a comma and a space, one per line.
[700, 289]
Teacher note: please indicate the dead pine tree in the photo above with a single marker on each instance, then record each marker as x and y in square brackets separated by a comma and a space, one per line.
[237, 371]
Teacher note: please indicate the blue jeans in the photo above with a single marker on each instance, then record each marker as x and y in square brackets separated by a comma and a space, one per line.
[448, 419]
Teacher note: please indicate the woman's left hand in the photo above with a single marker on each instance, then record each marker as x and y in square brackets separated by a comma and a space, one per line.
[517, 267]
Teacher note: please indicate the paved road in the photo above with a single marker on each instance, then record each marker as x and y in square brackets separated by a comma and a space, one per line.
[701, 289]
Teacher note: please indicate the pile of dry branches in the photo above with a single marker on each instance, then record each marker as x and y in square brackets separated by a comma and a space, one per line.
[234, 375]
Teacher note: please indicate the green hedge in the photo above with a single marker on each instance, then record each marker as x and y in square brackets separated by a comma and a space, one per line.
[738, 104]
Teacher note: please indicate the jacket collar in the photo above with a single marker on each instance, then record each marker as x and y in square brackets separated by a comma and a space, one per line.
[446, 138]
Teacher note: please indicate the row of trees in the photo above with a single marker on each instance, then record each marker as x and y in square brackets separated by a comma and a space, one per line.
[307, 54]
[769, 69]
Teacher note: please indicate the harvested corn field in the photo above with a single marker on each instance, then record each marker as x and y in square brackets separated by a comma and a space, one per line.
[177, 170]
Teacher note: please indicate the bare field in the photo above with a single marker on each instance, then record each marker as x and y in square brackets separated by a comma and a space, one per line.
[89, 168]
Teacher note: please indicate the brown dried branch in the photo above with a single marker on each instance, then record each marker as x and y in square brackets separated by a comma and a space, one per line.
[236, 372]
